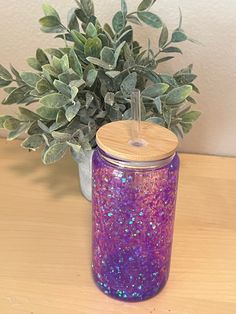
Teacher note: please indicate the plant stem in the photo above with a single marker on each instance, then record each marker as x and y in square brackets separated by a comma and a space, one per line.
[157, 54]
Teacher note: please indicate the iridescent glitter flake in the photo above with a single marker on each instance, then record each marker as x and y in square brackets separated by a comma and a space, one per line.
[133, 217]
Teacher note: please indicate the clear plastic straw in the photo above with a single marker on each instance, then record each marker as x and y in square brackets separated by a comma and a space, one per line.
[136, 114]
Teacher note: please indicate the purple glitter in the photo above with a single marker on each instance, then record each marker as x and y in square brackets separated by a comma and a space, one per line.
[133, 220]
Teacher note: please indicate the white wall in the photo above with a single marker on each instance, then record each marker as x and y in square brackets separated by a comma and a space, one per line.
[211, 22]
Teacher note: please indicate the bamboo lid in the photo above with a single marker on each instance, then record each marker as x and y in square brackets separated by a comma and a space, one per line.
[115, 140]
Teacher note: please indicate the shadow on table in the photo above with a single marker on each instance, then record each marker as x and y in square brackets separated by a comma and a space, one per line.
[60, 178]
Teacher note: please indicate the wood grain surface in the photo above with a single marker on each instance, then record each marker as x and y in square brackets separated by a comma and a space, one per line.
[159, 142]
[45, 240]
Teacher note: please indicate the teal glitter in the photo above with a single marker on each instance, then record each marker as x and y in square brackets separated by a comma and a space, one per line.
[133, 216]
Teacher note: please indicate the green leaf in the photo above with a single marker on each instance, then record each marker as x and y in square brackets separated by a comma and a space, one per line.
[65, 63]
[28, 115]
[5, 74]
[72, 20]
[109, 98]
[29, 78]
[108, 30]
[157, 102]
[15, 72]
[75, 63]
[75, 148]
[88, 7]
[129, 83]
[72, 111]
[4, 83]
[50, 11]
[185, 78]
[56, 65]
[155, 90]
[55, 29]
[41, 57]
[11, 123]
[144, 5]
[172, 49]
[133, 19]
[150, 19]
[195, 88]
[118, 22]
[62, 88]
[99, 63]
[164, 59]
[47, 113]
[91, 77]
[186, 127]
[91, 30]
[168, 79]
[191, 100]
[74, 92]
[79, 39]
[34, 64]
[54, 100]
[178, 36]
[43, 86]
[34, 129]
[89, 100]
[124, 8]
[61, 117]
[126, 36]
[17, 132]
[60, 136]
[43, 126]
[8, 90]
[191, 116]
[48, 71]
[54, 153]
[56, 126]
[156, 120]
[15, 96]
[118, 51]
[113, 74]
[178, 95]
[50, 21]
[107, 55]
[54, 52]
[3, 119]
[178, 132]
[183, 111]
[163, 37]
[33, 142]
[69, 77]
[187, 70]
[81, 15]
[93, 47]
[77, 83]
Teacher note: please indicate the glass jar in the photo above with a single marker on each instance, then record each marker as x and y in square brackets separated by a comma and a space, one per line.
[133, 220]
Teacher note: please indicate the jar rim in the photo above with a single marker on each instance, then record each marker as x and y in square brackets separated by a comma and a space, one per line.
[135, 164]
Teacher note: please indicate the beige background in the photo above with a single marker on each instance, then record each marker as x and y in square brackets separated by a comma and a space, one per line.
[211, 22]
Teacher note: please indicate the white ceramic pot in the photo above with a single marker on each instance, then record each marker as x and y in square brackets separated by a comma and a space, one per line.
[84, 161]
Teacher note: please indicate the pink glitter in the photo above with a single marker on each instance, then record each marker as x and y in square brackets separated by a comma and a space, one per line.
[133, 220]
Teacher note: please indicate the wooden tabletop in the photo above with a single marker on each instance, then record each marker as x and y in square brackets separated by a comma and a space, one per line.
[45, 240]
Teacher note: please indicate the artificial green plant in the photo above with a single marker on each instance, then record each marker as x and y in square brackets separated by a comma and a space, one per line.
[88, 82]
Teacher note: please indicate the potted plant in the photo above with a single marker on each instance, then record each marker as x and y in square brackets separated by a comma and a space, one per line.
[88, 82]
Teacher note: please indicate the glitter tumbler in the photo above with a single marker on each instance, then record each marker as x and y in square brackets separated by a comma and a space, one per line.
[134, 196]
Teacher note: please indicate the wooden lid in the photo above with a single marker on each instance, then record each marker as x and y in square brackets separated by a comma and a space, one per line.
[114, 139]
